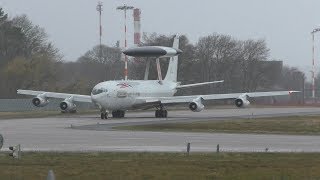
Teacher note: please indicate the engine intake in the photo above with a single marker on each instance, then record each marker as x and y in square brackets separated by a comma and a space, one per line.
[242, 101]
[68, 106]
[196, 105]
[40, 101]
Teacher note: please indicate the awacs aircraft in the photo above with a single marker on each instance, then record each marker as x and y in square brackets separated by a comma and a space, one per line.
[119, 96]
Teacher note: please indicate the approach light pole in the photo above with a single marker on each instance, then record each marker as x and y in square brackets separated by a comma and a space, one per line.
[125, 8]
[313, 63]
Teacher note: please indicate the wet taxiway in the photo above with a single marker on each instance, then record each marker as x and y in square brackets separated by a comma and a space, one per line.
[89, 133]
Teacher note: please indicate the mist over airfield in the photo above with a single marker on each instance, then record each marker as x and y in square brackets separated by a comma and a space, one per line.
[285, 25]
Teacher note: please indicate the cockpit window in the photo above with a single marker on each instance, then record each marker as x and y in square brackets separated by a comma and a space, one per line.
[98, 91]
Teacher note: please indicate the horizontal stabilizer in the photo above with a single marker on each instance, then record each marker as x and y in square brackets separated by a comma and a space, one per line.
[199, 84]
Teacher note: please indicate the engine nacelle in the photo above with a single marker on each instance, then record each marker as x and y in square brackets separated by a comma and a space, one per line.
[242, 102]
[196, 105]
[68, 106]
[40, 101]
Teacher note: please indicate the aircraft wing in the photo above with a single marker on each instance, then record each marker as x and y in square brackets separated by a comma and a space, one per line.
[188, 99]
[76, 97]
[199, 84]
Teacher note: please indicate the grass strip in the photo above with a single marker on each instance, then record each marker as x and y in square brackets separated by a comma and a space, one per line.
[162, 166]
[301, 125]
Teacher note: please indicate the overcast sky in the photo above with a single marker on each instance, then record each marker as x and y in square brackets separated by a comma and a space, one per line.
[284, 24]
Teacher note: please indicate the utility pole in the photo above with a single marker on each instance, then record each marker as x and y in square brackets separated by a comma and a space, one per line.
[125, 8]
[313, 64]
[99, 9]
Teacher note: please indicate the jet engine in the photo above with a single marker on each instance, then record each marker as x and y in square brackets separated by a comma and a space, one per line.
[68, 106]
[40, 101]
[242, 101]
[196, 105]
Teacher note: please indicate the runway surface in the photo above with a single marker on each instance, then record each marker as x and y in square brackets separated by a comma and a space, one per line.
[89, 133]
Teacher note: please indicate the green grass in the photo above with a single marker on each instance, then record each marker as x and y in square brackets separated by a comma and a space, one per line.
[162, 166]
[304, 125]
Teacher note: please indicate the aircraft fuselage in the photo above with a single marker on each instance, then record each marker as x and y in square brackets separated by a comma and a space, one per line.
[123, 95]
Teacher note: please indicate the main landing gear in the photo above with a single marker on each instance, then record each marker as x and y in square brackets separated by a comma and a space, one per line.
[118, 114]
[115, 114]
[161, 113]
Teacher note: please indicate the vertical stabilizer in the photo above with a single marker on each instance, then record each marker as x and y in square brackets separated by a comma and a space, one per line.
[173, 64]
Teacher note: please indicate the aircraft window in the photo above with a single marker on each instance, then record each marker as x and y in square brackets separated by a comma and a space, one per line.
[98, 91]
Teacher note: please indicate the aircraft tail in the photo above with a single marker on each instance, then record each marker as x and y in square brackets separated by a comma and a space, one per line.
[172, 72]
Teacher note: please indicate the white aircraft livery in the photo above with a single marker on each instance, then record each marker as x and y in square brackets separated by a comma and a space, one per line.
[119, 96]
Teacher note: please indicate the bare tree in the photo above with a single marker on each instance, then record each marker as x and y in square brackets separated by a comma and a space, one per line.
[110, 61]
[11, 39]
[36, 39]
[35, 73]
[251, 53]
[218, 55]
[293, 79]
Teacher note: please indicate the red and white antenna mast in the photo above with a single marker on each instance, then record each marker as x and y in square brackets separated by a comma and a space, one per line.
[125, 8]
[313, 64]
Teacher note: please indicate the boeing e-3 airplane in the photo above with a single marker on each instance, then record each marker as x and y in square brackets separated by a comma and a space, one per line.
[120, 96]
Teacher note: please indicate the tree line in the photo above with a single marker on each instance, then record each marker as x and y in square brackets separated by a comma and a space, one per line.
[28, 60]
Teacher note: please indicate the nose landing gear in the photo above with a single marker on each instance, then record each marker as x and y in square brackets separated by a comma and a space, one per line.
[104, 115]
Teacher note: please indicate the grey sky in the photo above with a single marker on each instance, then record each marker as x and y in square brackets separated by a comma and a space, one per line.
[284, 24]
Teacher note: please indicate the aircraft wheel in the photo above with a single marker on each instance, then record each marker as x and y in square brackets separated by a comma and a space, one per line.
[161, 113]
[104, 115]
[165, 113]
[115, 114]
[118, 114]
[157, 113]
[122, 113]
